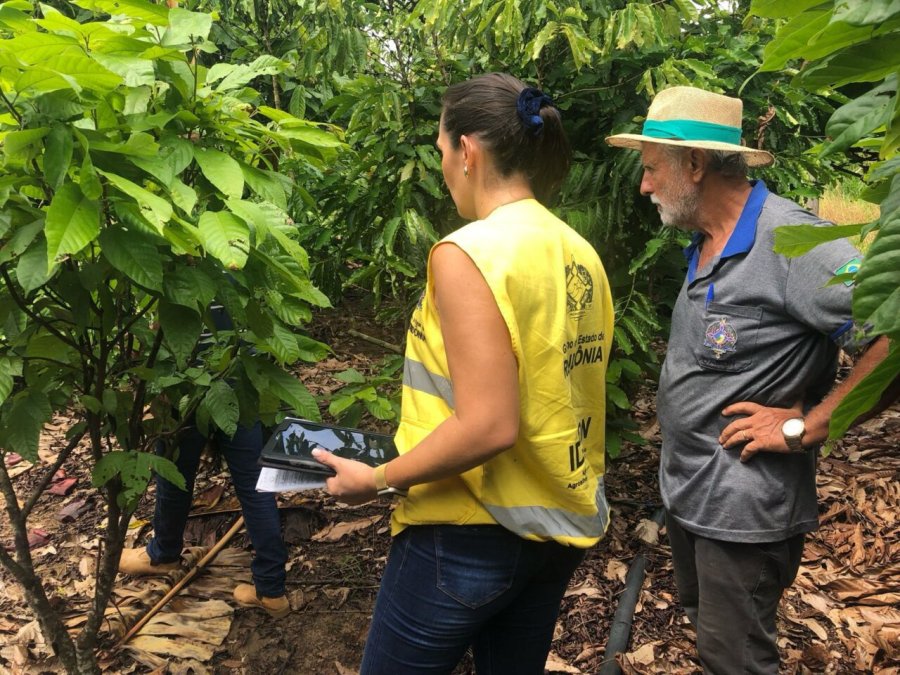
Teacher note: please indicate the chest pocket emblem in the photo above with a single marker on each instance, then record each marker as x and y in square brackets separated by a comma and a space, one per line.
[720, 337]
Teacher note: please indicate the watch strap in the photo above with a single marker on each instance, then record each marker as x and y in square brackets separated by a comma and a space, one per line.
[380, 480]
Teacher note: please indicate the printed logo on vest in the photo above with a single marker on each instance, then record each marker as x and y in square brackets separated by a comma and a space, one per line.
[416, 329]
[720, 337]
[579, 289]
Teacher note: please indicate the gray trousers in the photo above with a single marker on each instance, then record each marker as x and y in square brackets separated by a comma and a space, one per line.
[730, 592]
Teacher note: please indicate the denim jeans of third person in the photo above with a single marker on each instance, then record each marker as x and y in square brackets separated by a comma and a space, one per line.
[260, 509]
[446, 587]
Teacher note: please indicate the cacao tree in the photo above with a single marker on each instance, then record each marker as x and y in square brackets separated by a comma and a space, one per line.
[140, 185]
[852, 47]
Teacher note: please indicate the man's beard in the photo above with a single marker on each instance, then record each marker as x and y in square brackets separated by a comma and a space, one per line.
[680, 207]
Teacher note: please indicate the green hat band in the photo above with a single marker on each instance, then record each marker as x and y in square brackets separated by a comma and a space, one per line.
[692, 130]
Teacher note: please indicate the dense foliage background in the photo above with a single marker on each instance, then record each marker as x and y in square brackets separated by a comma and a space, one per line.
[378, 70]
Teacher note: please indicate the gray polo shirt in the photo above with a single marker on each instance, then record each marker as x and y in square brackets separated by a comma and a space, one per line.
[752, 325]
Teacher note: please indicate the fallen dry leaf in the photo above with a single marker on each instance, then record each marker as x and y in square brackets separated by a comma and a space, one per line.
[555, 664]
[337, 530]
[616, 569]
[62, 487]
[647, 531]
[644, 655]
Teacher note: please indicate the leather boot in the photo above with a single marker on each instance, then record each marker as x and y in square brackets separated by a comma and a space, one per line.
[137, 561]
[245, 595]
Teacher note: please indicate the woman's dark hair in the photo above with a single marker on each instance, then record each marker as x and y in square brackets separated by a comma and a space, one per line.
[487, 106]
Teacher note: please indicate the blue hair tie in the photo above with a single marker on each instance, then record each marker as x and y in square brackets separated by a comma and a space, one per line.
[529, 106]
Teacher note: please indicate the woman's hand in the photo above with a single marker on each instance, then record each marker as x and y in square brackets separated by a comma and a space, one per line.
[354, 482]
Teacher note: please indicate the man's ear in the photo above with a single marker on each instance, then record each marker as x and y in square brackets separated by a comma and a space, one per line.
[698, 161]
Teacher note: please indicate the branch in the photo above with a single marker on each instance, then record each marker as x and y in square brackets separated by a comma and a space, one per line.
[137, 411]
[20, 303]
[48, 476]
[375, 341]
[11, 107]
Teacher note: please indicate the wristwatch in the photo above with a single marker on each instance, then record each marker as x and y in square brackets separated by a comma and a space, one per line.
[381, 486]
[793, 430]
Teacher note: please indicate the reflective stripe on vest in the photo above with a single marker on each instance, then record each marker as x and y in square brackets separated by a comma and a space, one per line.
[553, 523]
[417, 376]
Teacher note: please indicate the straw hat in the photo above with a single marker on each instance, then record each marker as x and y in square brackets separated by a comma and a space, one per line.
[694, 118]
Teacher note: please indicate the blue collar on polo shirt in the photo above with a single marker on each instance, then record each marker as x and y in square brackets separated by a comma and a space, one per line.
[743, 236]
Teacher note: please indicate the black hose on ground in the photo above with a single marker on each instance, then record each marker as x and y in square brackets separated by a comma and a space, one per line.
[620, 628]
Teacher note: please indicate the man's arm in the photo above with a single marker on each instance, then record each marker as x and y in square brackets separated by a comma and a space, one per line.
[761, 428]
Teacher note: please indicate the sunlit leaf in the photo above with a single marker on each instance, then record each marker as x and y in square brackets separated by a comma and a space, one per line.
[73, 221]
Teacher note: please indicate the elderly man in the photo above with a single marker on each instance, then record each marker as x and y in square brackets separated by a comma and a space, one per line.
[743, 398]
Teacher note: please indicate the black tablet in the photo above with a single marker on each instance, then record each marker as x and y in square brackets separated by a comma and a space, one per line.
[292, 442]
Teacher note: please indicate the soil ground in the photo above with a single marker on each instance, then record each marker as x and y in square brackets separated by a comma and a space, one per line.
[840, 616]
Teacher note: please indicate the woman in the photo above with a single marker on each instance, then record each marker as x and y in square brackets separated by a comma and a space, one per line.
[502, 425]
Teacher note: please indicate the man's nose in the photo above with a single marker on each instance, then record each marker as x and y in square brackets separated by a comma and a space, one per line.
[646, 185]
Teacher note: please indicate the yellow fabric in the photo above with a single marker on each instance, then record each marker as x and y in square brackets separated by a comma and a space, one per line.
[553, 295]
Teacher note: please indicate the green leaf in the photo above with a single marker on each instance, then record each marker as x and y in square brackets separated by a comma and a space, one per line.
[21, 428]
[226, 237]
[16, 143]
[311, 350]
[88, 180]
[134, 469]
[7, 371]
[870, 61]
[221, 170]
[73, 221]
[57, 155]
[339, 404]
[186, 27]
[617, 397]
[156, 209]
[865, 394]
[809, 36]
[133, 254]
[876, 299]
[380, 408]
[867, 13]
[266, 376]
[781, 9]
[35, 48]
[282, 344]
[31, 270]
[183, 196]
[190, 287]
[350, 376]
[222, 404]
[265, 184]
[264, 219]
[141, 10]
[134, 71]
[859, 117]
[795, 240]
[234, 76]
[181, 329]
[79, 70]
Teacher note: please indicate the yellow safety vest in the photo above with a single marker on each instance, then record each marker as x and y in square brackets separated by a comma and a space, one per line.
[553, 295]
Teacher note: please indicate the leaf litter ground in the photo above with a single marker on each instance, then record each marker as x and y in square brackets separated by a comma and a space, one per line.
[840, 616]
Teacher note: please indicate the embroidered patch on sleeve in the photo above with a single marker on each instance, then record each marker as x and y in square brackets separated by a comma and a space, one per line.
[849, 267]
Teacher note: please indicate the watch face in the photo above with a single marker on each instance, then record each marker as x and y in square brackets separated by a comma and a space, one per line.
[793, 427]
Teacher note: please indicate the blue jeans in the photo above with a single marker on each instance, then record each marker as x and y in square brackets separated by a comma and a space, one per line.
[259, 508]
[446, 587]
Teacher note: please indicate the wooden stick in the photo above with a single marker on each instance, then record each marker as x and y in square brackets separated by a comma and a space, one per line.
[375, 341]
[194, 571]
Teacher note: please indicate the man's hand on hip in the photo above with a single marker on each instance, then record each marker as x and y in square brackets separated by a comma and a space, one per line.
[759, 431]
